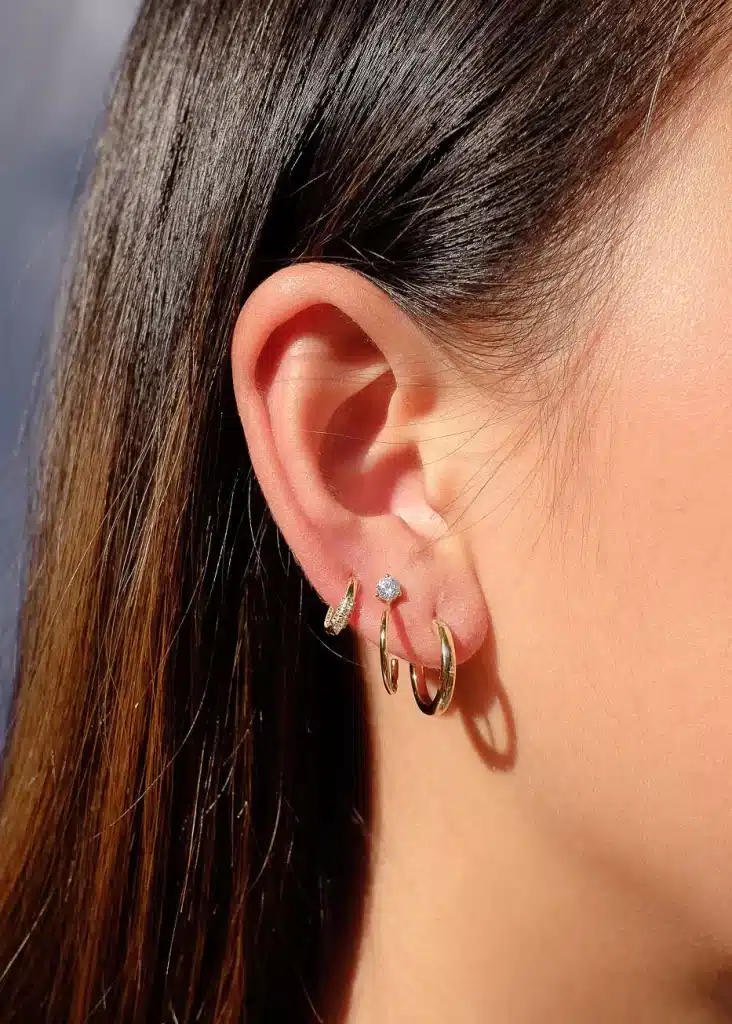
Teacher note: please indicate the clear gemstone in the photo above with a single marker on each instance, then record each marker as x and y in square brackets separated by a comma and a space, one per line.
[388, 589]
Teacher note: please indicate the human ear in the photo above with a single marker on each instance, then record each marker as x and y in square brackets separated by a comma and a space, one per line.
[334, 386]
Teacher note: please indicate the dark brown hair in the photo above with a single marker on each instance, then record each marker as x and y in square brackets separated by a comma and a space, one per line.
[185, 797]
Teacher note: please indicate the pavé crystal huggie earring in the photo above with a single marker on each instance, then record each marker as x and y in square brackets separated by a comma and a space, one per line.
[336, 619]
[388, 590]
[448, 671]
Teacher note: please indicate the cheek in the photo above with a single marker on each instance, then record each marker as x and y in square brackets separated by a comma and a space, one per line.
[616, 640]
[623, 672]
[613, 618]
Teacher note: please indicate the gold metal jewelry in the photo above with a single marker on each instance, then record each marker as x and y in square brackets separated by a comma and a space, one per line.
[336, 619]
[448, 671]
[388, 590]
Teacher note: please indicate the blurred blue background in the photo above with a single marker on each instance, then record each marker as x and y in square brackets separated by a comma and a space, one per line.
[56, 60]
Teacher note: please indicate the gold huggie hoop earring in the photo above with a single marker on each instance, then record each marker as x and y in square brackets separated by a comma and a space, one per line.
[388, 590]
[448, 671]
[336, 619]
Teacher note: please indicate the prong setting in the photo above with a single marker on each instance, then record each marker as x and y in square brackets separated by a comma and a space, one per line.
[388, 589]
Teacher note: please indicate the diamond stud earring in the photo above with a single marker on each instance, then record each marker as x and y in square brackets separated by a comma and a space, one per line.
[388, 590]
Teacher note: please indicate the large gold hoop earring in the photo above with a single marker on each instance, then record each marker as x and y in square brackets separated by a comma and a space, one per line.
[388, 590]
[448, 672]
[336, 619]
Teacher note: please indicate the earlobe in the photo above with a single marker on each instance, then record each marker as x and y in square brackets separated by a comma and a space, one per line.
[323, 373]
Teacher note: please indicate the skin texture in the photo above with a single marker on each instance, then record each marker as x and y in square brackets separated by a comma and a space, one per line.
[558, 846]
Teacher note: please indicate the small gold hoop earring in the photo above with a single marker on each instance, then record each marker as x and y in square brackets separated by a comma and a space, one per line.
[336, 619]
[388, 590]
[448, 672]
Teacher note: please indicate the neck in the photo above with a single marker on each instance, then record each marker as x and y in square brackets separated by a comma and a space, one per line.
[477, 911]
